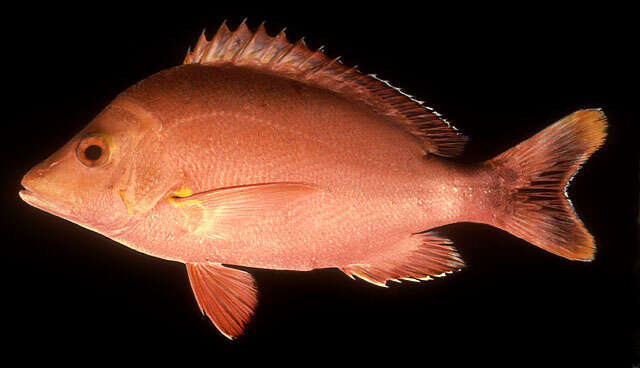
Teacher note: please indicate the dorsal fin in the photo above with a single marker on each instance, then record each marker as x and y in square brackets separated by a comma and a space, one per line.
[296, 61]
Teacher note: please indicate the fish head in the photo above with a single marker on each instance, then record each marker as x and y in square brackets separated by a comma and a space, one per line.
[94, 180]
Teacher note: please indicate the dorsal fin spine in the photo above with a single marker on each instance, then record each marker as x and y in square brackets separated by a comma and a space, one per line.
[218, 42]
[224, 47]
[198, 50]
[272, 45]
[238, 55]
[347, 74]
[330, 64]
[289, 50]
[275, 60]
[311, 72]
[187, 57]
[206, 54]
[208, 50]
[238, 41]
[260, 34]
[305, 61]
[300, 47]
[247, 45]
[235, 43]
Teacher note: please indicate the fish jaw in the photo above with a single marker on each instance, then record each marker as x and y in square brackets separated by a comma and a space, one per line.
[40, 202]
[36, 184]
[34, 197]
[41, 194]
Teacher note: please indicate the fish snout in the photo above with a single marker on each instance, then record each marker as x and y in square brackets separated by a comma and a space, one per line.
[41, 179]
[40, 193]
[32, 182]
[33, 174]
[46, 188]
[31, 179]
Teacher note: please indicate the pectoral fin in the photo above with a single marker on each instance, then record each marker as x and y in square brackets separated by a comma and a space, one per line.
[226, 295]
[215, 213]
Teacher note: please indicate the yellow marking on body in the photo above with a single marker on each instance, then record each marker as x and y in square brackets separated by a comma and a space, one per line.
[183, 192]
[125, 201]
[192, 202]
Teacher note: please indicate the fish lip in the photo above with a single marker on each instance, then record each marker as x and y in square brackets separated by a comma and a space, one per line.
[32, 197]
[25, 193]
[39, 201]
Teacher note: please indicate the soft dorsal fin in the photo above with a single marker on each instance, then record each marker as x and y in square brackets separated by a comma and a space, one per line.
[277, 55]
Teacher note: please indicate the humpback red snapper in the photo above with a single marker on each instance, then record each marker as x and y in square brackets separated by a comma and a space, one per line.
[262, 153]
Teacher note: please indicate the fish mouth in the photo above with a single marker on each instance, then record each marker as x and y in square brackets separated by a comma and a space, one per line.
[39, 201]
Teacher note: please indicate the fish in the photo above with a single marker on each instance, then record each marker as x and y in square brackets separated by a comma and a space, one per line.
[258, 152]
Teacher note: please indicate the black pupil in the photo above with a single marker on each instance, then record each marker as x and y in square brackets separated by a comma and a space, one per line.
[93, 152]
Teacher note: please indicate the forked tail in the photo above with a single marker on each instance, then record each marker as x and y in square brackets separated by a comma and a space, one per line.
[537, 172]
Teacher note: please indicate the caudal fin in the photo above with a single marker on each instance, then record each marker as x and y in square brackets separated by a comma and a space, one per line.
[537, 172]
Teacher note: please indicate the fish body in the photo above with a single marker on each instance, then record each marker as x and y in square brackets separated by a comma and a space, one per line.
[372, 182]
[261, 153]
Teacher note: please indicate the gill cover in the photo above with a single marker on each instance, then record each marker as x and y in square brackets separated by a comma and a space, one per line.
[147, 172]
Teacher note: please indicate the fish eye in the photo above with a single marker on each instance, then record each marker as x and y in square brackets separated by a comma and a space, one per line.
[93, 151]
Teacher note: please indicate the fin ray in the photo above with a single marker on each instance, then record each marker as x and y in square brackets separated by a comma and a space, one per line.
[537, 172]
[226, 295]
[417, 258]
[217, 212]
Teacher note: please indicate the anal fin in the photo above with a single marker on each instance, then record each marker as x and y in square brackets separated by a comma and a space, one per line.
[226, 295]
[418, 257]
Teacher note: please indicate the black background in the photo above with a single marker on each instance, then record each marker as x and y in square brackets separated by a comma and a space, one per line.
[499, 74]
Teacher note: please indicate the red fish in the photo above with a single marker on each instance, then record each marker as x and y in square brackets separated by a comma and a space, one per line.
[261, 153]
